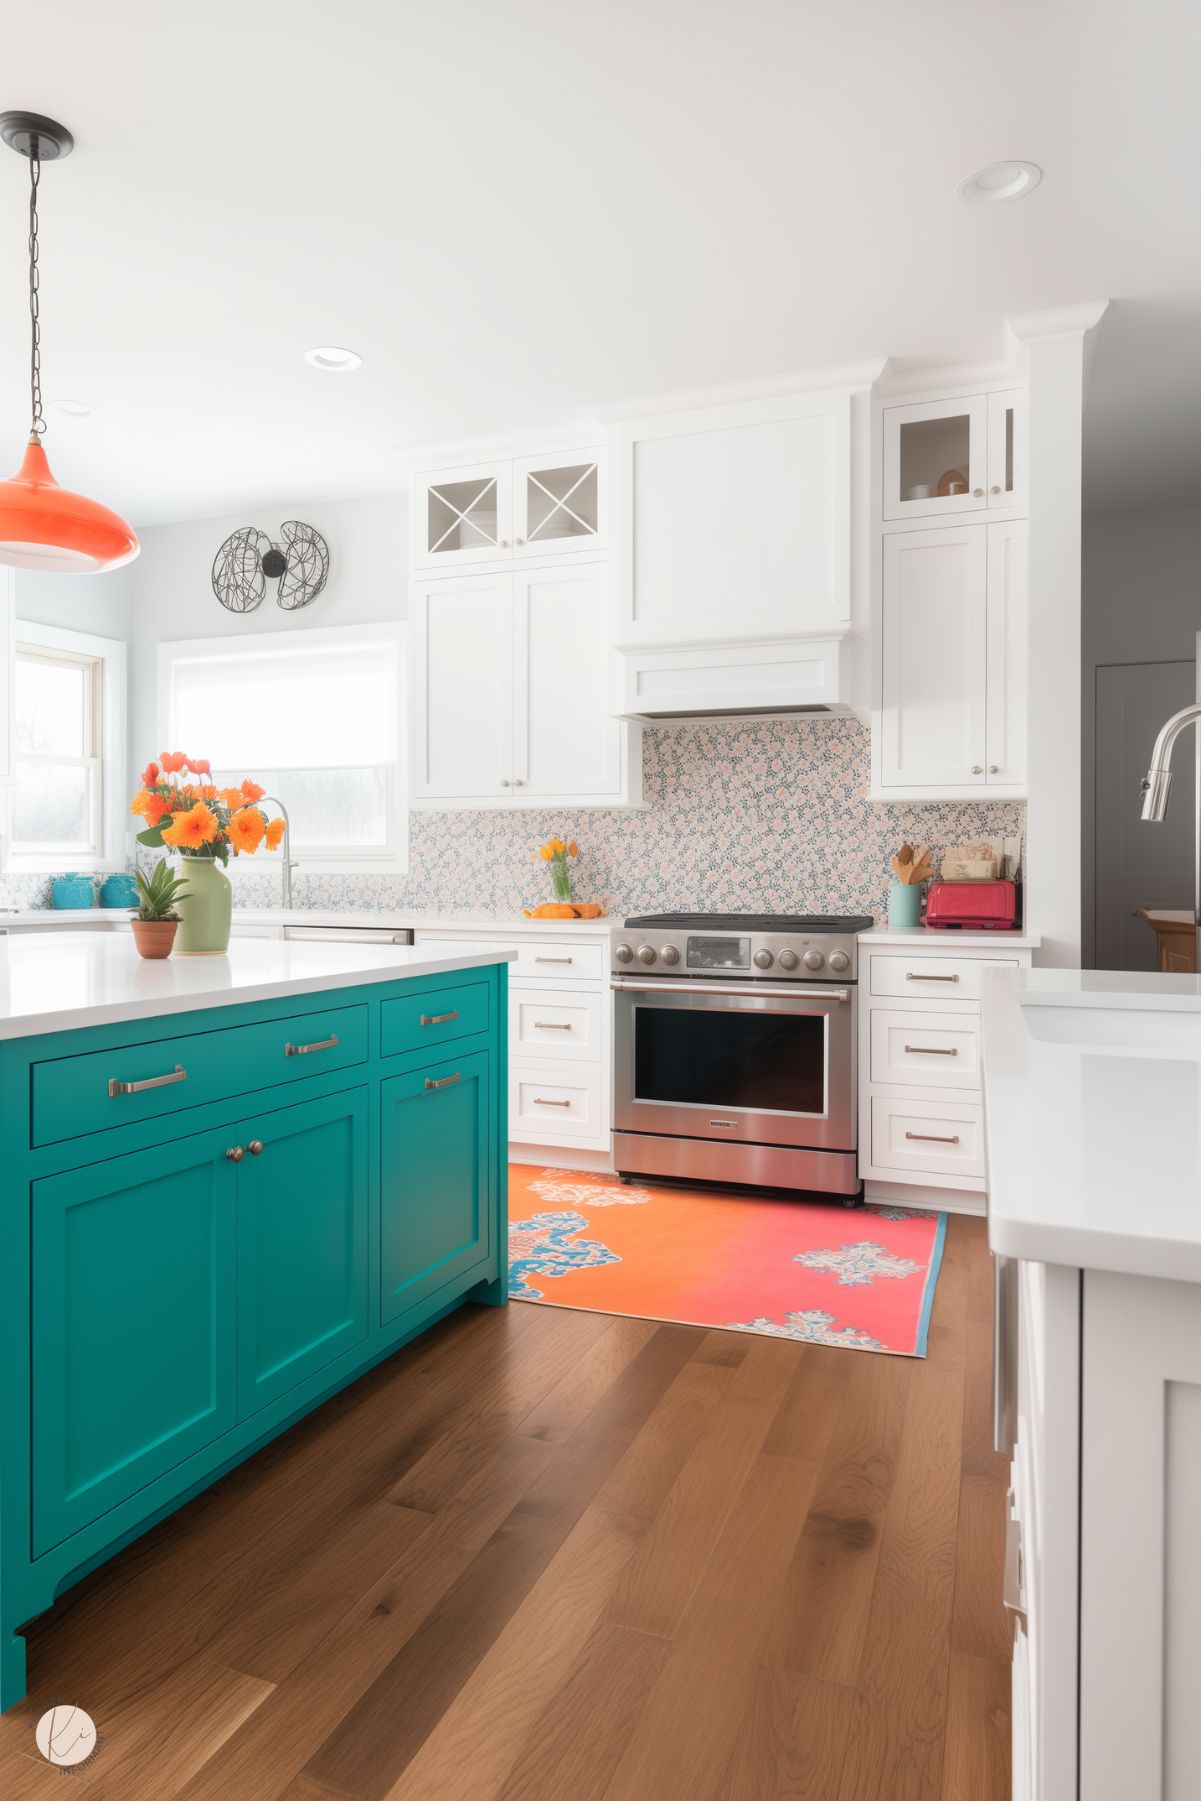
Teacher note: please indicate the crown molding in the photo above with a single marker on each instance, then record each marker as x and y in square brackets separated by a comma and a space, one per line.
[1057, 321]
[858, 376]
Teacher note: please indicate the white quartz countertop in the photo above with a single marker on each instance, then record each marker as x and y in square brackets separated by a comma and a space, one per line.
[1092, 1091]
[388, 919]
[53, 982]
[882, 936]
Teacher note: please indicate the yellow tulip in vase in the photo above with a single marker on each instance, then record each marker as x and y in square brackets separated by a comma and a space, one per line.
[203, 823]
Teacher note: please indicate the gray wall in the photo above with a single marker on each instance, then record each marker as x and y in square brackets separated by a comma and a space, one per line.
[1141, 603]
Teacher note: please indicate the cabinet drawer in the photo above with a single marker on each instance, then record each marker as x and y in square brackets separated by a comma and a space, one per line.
[925, 1049]
[555, 1022]
[101, 1089]
[937, 1138]
[934, 978]
[428, 1017]
[568, 1105]
[538, 959]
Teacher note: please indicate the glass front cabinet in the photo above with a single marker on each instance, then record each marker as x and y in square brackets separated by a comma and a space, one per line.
[509, 510]
[955, 456]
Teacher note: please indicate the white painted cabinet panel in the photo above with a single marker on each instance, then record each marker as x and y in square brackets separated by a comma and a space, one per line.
[462, 688]
[1005, 704]
[558, 503]
[732, 523]
[462, 516]
[934, 658]
[567, 742]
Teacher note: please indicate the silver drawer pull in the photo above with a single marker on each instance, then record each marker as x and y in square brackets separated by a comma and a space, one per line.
[911, 977]
[445, 1081]
[302, 1050]
[539, 1102]
[178, 1074]
[550, 1025]
[929, 1050]
[438, 1019]
[932, 1138]
[554, 959]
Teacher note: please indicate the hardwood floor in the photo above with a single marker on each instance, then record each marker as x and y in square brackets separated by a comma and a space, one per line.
[551, 1556]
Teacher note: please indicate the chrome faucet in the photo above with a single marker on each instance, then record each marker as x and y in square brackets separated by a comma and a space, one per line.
[1157, 785]
[288, 865]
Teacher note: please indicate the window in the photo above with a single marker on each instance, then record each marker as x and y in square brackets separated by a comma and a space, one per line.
[65, 804]
[314, 716]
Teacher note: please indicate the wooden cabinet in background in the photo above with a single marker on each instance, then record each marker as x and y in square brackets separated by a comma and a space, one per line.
[1175, 941]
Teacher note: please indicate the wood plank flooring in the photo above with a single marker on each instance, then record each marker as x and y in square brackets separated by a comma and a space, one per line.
[551, 1556]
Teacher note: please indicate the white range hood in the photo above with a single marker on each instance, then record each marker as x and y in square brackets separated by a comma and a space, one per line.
[775, 679]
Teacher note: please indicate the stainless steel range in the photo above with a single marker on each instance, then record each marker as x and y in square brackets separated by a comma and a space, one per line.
[734, 1049]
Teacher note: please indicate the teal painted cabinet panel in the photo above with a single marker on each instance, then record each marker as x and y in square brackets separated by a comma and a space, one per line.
[132, 1325]
[302, 1243]
[428, 1018]
[435, 1178]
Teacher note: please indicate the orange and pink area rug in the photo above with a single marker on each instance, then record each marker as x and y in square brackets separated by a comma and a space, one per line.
[859, 1278]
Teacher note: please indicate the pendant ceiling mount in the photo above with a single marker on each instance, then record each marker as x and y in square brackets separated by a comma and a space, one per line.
[33, 135]
[43, 526]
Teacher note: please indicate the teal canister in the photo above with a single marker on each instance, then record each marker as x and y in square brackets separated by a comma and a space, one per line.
[72, 891]
[904, 903]
[119, 890]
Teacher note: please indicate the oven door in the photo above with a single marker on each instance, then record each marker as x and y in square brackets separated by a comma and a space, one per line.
[753, 1062]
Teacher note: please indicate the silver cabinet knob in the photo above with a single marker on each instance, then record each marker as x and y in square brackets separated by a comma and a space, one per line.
[646, 953]
[996, 489]
[670, 954]
[504, 544]
[763, 959]
[977, 769]
[977, 493]
[994, 769]
[623, 953]
[788, 959]
[839, 961]
[504, 781]
[518, 781]
[520, 540]
[813, 959]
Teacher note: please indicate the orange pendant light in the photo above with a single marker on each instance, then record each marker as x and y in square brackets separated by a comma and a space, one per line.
[43, 526]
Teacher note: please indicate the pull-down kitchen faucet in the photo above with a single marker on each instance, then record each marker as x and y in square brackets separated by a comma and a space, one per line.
[1157, 785]
[288, 865]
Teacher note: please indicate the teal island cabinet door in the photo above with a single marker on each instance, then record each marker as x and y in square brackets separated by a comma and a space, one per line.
[435, 1178]
[132, 1349]
[303, 1201]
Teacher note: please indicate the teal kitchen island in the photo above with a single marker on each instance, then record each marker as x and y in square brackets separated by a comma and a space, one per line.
[230, 1185]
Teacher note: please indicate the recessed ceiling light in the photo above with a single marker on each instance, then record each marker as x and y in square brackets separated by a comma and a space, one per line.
[333, 358]
[74, 409]
[998, 182]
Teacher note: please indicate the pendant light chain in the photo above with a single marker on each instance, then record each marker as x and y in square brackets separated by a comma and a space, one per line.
[37, 424]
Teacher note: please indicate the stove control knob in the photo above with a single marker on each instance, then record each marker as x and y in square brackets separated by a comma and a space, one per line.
[788, 959]
[623, 953]
[813, 959]
[670, 954]
[763, 959]
[646, 953]
[840, 961]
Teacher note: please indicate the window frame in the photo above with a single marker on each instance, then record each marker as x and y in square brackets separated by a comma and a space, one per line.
[108, 657]
[391, 858]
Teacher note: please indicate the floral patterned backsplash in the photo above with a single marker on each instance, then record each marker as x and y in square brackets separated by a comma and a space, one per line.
[742, 816]
[769, 815]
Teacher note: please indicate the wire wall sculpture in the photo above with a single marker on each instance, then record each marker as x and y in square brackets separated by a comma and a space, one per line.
[248, 559]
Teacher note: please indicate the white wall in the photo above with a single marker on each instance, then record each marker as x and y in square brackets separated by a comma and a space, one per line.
[99, 604]
[172, 594]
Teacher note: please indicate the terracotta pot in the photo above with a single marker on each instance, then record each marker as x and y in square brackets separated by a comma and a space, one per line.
[154, 937]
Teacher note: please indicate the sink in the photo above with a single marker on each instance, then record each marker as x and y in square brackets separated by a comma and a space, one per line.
[1116, 1030]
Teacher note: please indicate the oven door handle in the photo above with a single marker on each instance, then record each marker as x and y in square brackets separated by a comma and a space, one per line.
[748, 991]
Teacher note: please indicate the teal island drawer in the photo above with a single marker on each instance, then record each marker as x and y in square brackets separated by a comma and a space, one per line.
[73, 1096]
[432, 1016]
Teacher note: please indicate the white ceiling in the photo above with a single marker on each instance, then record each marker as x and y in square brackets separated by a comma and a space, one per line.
[1142, 418]
[517, 209]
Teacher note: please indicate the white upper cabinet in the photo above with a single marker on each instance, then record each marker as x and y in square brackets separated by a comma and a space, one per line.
[511, 692]
[952, 717]
[732, 523]
[946, 457]
[497, 512]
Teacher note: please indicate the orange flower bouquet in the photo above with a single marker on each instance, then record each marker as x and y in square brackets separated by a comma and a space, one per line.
[183, 811]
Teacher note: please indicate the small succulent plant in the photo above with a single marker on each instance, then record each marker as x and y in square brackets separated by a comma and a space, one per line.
[158, 893]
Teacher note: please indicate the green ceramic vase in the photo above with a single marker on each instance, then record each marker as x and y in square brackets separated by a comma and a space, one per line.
[205, 911]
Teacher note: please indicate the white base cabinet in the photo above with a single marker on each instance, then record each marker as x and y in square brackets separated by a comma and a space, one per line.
[1104, 1566]
[512, 692]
